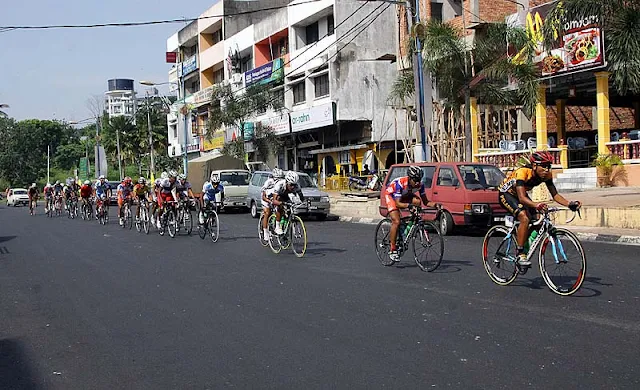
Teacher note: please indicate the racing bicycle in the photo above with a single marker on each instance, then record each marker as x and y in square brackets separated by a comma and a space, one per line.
[142, 220]
[211, 222]
[294, 233]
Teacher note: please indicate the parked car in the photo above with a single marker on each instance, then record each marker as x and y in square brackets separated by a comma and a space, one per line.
[236, 185]
[319, 201]
[17, 196]
[468, 192]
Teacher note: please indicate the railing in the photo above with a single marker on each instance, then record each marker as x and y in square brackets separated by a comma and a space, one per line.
[628, 151]
[510, 159]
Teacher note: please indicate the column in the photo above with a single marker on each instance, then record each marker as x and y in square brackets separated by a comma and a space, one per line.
[475, 139]
[561, 121]
[541, 118]
[602, 89]
[636, 111]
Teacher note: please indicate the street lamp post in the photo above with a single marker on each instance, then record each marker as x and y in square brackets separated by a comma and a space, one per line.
[152, 162]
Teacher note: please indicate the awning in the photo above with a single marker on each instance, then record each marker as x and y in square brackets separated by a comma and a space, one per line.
[339, 149]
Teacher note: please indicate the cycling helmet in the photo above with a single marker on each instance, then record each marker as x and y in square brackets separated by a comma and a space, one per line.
[415, 173]
[182, 176]
[102, 177]
[87, 183]
[142, 180]
[164, 175]
[57, 182]
[173, 174]
[277, 173]
[127, 180]
[541, 157]
[215, 179]
[33, 185]
[213, 175]
[48, 185]
[291, 177]
[72, 180]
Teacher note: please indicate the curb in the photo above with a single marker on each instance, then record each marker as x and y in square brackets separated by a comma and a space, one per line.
[588, 237]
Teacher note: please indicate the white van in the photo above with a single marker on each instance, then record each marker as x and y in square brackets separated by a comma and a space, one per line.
[236, 187]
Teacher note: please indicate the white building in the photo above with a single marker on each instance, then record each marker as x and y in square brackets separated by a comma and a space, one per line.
[120, 98]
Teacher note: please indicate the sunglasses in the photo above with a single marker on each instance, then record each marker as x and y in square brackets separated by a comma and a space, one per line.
[546, 166]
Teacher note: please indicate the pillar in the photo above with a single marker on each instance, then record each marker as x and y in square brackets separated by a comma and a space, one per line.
[636, 111]
[561, 121]
[475, 139]
[541, 118]
[564, 156]
[602, 90]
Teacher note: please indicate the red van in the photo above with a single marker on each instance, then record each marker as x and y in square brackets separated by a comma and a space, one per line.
[468, 192]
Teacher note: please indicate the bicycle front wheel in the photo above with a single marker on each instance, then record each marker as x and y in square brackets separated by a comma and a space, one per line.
[187, 218]
[298, 236]
[171, 224]
[382, 242]
[274, 241]
[499, 255]
[144, 217]
[214, 226]
[128, 218]
[428, 247]
[261, 231]
[563, 264]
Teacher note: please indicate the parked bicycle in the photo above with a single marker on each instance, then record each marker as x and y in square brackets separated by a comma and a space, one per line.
[561, 258]
[211, 222]
[424, 237]
[294, 233]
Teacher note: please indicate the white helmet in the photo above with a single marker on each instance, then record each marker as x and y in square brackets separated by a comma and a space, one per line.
[215, 179]
[182, 176]
[142, 180]
[277, 173]
[173, 174]
[213, 176]
[291, 177]
[87, 183]
[48, 185]
[101, 177]
[33, 185]
[164, 175]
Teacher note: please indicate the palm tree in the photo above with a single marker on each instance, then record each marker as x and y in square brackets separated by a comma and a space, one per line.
[481, 69]
[2, 113]
[620, 20]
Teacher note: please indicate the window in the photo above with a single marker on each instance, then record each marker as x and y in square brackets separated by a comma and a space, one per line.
[234, 178]
[218, 76]
[312, 33]
[299, 94]
[322, 85]
[330, 25]
[246, 64]
[258, 179]
[447, 178]
[427, 177]
[481, 176]
[194, 126]
[436, 11]
[277, 98]
[175, 131]
[217, 36]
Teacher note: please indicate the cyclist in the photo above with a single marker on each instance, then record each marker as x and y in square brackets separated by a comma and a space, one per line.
[85, 193]
[183, 188]
[70, 192]
[124, 193]
[513, 196]
[102, 192]
[48, 196]
[142, 192]
[156, 196]
[167, 192]
[267, 191]
[33, 197]
[283, 191]
[209, 191]
[57, 191]
[401, 194]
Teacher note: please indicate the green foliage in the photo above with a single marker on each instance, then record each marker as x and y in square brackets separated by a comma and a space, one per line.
[165, 163]
[620, 20]
[234, 148]
[265, 141]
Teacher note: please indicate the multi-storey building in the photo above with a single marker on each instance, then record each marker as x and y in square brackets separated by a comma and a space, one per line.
[329, 64]
[120, 98]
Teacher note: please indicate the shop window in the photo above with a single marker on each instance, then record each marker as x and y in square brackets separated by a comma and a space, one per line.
[299, 93]
[321, 85]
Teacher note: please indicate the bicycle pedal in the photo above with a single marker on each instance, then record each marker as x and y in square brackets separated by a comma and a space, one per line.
[522, 269]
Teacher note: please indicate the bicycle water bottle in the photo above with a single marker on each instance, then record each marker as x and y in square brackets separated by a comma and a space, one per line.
[532, 238]
[401, 229]
[407, 229]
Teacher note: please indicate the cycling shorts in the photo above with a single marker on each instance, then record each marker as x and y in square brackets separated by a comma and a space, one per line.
[511, 203]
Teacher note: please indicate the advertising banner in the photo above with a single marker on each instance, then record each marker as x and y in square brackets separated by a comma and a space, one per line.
[265, 73]
[314, 117]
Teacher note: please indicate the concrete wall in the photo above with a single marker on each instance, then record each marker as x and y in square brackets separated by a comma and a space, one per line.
[236, 23]
[276, 21]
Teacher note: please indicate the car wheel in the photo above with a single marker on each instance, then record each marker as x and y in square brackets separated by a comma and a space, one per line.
[254, 209]
[321, 217]
[446, 223]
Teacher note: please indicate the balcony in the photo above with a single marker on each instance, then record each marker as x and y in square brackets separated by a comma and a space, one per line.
[628, 150]
[212, 56]
[299, 59]
[509, 159]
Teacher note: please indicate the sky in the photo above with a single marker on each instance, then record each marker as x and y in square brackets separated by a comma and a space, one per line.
[50, 74]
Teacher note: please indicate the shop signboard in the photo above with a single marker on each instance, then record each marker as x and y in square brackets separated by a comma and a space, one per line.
[189, 65]
[278, 124]
[266, 73]
[203, 96]
[314, 117]
[581, 47]
[216, 141]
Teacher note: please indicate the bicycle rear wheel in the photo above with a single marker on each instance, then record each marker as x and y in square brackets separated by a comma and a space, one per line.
[298, 236]
[499, 255]
[428, 247]
[214, 226]
[563, 264]
[382, 243]
[261, 231]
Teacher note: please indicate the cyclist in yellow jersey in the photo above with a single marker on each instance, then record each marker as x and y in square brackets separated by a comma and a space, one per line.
[141, 191]
[513, 196]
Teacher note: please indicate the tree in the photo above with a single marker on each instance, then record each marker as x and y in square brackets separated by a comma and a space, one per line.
[480, 70]
[619, 20]
[122, 128]
[233, 109]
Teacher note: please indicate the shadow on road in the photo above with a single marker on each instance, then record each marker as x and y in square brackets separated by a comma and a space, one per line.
[451, 266]
[6, 238]
[586, 291]
[15, 368]
[321, 251]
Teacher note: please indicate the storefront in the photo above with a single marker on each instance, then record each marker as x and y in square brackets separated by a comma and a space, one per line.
[307, 127]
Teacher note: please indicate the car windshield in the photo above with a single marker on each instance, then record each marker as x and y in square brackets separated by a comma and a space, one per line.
[19, 192]
[479, 177]
[305, 182]
[234, 178]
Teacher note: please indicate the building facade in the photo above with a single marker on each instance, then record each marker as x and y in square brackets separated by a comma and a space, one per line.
[120, 98]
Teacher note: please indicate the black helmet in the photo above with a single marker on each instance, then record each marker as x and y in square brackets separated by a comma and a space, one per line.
[415, 173]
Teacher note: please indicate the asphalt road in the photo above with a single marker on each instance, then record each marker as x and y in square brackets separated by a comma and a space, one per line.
[91, 307]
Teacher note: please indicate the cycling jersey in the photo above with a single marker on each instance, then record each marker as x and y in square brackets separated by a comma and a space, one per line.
[281, 189]
[522, 177]
[124, 190]
[85, 191]
[183, 187]
[32, 192]
[141, 189]
[267, 189]
[102, 188]
[166, 186]
[48, 192]
[210, 191]
[400, 189]
[71, 189]
[57, 188]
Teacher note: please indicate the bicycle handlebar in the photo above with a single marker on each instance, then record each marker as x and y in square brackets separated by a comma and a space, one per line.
[555, 210]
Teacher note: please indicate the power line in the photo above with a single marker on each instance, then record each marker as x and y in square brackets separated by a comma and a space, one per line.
[153, 22]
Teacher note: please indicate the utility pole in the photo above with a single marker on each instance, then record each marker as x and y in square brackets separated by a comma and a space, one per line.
[119, 157]
[97, 147]
[185, 158]
[153, 167]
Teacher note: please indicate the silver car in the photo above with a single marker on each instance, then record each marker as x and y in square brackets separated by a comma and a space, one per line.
[319, 201]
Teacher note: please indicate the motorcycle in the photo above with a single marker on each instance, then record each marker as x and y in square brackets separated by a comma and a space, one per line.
[371, 183]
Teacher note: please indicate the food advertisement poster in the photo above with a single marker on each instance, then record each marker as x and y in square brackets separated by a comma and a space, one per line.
[580, 48]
